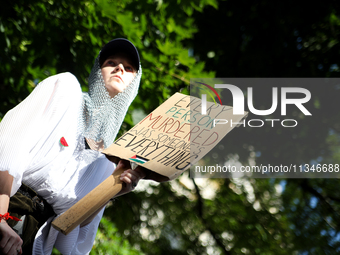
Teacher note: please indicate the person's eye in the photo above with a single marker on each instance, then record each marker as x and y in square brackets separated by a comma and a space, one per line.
[111, 63]
[129, 69]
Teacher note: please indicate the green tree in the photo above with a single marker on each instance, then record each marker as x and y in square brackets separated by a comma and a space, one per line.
[179, 40]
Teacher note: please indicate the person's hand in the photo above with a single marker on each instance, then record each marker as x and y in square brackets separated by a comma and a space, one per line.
[10, 242]
[130, 177]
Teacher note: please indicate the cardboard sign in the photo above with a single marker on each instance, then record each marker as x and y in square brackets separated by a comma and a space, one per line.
[167, 141]
[175, 135]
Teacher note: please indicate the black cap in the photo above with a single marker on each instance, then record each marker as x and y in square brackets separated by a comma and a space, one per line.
[117, 46]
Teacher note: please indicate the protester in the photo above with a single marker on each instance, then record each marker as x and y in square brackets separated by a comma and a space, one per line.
[50, 152]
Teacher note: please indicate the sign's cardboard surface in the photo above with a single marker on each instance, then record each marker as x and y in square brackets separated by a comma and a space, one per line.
[166, 142]
[175, 135]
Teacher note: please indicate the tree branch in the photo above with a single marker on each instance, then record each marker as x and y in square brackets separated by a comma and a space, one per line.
[200, 208]
[324, 199]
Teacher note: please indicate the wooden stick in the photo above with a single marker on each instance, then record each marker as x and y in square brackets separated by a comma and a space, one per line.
[89, 204]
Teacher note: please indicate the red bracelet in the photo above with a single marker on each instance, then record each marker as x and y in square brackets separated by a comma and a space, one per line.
[6, 216]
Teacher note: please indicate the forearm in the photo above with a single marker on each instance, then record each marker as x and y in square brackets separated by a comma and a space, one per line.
[6, 181]
[4, 202]
[10, 242]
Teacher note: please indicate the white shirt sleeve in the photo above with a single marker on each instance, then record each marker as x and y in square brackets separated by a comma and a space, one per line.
[22, 127]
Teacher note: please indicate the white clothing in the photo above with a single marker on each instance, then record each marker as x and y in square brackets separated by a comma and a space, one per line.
[30, 150]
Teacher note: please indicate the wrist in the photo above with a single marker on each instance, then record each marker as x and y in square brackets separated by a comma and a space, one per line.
[6, 216]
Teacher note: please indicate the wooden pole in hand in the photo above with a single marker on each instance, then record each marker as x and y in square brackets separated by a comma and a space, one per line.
[92, 202]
